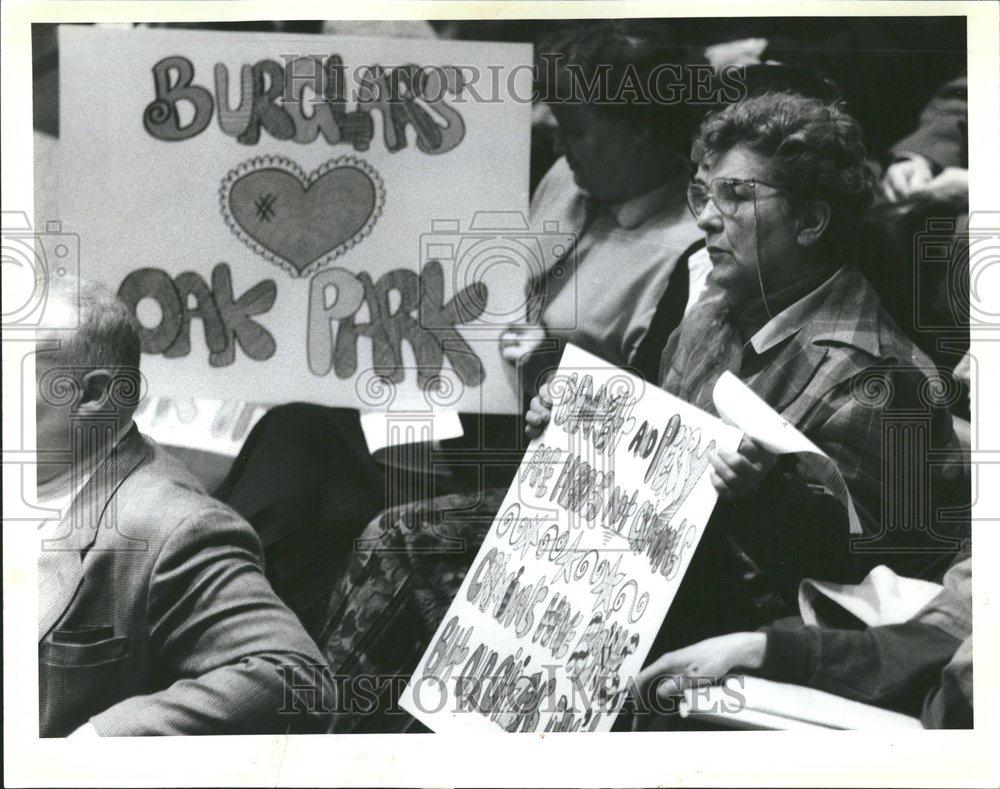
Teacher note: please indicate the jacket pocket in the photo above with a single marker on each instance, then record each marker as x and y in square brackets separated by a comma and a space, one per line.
[77, 679]
[84, 647]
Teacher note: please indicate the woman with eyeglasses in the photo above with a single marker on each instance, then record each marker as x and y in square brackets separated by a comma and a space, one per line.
[779, 191]
[780, 187]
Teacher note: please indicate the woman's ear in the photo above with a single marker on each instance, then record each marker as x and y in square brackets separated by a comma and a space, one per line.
[813, 222]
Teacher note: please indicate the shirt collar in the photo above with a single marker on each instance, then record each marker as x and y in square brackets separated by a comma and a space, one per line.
[794, 317]
[633, 212]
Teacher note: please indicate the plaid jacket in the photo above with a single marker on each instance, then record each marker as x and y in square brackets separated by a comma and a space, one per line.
[852, 382]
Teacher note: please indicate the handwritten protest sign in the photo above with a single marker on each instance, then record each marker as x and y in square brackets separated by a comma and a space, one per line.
[301, 217]
[560, 607]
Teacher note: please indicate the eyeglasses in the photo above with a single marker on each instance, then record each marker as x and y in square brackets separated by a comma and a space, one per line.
[726, 193]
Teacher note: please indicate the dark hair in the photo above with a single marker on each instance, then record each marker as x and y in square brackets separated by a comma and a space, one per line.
[107, 333]
[623, 69]
[815, 147]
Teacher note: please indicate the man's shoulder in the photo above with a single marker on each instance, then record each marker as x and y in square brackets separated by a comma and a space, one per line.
[671, 230]
[161, 496]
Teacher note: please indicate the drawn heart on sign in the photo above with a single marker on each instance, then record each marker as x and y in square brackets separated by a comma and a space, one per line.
[301, 221]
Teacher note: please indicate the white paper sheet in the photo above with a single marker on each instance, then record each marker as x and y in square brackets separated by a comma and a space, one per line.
[383, 429]
[740, 406]
[779, 706]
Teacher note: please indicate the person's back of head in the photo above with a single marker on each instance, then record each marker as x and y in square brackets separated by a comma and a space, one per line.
[107, 333]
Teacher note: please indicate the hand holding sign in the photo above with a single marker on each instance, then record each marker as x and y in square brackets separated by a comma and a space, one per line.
[539, 413]
[518, 342]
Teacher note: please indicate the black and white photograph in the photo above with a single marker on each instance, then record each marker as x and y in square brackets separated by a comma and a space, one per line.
[378, 387]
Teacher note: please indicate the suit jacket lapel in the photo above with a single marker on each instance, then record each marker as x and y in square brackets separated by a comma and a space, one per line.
[62, 557]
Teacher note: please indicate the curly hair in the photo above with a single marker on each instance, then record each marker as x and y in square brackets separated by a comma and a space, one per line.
[815, 147]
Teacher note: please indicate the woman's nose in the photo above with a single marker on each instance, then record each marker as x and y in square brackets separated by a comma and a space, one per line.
[709, 218]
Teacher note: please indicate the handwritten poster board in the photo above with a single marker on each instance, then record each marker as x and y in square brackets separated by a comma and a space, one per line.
[302, 217]
[560, 607]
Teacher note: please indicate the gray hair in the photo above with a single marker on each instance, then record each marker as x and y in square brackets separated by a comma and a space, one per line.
[107, 335]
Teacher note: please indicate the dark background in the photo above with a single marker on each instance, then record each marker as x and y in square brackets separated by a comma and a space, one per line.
[887, 67]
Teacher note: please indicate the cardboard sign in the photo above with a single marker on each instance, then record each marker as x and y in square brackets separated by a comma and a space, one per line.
[562, 603]
[302, 217]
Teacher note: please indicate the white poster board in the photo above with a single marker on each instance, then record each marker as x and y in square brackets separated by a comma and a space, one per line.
[562, 603]
[302, 217]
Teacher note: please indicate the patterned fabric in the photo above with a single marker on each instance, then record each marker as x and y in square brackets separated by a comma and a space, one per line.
[406, 569]
[846, 379]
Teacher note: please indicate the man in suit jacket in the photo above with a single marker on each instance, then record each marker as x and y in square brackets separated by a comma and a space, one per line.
[154, 613]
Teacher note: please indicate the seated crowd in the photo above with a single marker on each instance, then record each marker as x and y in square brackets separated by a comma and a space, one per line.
[730, 242]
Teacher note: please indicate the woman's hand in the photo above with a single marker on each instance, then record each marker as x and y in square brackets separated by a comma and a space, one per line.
[517, 342]
[711, 659]
[539, 413]
[735, 474]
